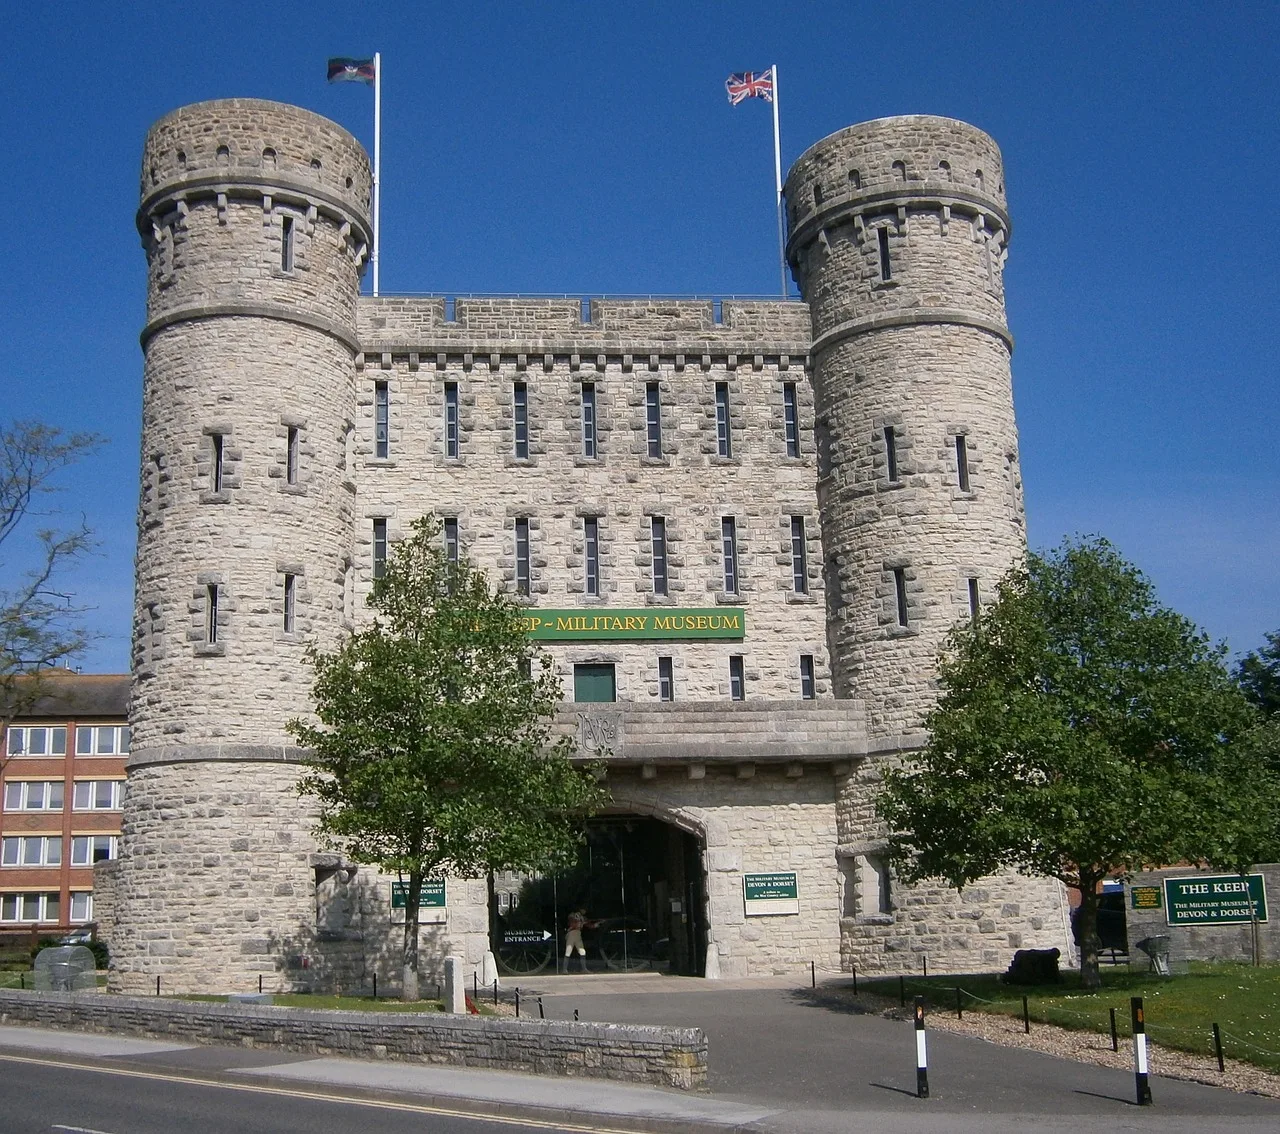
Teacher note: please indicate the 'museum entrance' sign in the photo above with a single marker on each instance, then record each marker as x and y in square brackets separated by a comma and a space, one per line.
[765, 894]
[1214, 899]
[622, 625]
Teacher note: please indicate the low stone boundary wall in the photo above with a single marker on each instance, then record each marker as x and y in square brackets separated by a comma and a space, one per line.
[669, 1057]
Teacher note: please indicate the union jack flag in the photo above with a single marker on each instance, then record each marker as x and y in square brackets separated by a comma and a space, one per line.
[750, 84]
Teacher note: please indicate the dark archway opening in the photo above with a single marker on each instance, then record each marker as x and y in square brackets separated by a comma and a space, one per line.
[635, 895]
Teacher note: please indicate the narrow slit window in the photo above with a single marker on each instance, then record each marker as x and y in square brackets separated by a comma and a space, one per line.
[886, 268]
[891, 453]
[589, 421]
[900, 594]
[291, 456]
[520, 411]
[724, 435]
[211, 613]
[451, 420]
[584, 310]
[379, 548]
[451, 548]
[729, 546]
[381, 420]
[290, 599]
[962, 462]
[666, 680]
[450, 309]
[524, 573]
[591, 554]
[737, 679]
[799, 564]
[974, 601]
[791, 419]
[653, 419]
[808, 687]
[658, 535]
[286, 244]
[717, 311]
[218, 466]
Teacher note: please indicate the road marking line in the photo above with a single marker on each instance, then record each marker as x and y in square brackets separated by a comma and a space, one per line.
[78, 1129]
[379, 1104]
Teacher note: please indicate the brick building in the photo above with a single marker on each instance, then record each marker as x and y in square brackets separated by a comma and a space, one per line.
[742, 529]
[62, 779]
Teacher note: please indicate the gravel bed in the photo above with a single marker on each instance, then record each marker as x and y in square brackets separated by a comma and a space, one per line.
[1082, 1046]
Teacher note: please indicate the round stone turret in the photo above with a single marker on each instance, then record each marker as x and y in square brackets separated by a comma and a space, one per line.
[897, 237]
[255, 221]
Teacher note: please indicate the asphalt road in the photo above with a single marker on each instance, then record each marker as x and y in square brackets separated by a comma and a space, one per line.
[42, 1097]
[822, 1067]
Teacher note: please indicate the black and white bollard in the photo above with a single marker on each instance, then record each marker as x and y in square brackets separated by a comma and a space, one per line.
[922, 1059]
[1140, 1051]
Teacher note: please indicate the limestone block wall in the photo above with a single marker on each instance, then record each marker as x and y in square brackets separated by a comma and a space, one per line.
[545, 346]
[898, 234]
[768, 822]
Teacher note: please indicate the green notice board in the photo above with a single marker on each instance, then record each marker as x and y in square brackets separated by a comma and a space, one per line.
[764, 895]
[669, 623]
[1145, 898]
[431, 897]
[1214, 899]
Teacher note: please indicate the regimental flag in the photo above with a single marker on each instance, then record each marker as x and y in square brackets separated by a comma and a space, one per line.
[750, 84]
[351, 71]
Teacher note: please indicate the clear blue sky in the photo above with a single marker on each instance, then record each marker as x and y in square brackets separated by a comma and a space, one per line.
[589, 148]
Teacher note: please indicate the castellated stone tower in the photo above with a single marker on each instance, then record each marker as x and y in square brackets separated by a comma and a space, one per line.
[898, 230]
[254, 217]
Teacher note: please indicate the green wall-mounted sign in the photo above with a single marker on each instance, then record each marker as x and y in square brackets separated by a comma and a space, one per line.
[1214, 899]
[671, 623]
[431, 896]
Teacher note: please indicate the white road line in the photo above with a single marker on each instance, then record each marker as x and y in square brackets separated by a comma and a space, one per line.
[78, 1129]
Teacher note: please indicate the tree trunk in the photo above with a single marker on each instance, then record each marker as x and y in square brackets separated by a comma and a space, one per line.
[409, 984]
[1087, 924]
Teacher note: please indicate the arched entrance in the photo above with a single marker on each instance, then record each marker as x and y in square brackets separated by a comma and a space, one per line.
[635, 894]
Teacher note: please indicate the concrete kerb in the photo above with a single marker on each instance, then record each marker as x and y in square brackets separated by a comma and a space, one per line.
[646, 1054]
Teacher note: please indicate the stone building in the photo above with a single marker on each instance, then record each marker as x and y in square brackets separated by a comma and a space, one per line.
[742, 527]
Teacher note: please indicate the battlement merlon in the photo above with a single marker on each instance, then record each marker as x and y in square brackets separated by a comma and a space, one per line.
[634, 328]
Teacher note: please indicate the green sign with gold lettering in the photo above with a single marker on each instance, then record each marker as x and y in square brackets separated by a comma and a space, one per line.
[653, 622]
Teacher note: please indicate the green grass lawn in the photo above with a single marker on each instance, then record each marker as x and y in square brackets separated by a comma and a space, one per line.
[1180, 1010]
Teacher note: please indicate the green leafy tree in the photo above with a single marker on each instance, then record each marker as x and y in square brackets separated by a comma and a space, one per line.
[434, 752]
[1258, 674]
[39, 622]
[1082, 730]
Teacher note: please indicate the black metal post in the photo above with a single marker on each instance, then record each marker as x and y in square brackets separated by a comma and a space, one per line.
[922, 1060]
[517, 1002]
[924, 961]
[575, 1015]
[1115, 1036]
[1217, 1045]
[541, 1014]
[157, 984]
[959, 1004]
[813, 974]
[475, 986]
[854, 970]
[495, 992]
[902, 990]
[375, 986]
[1141, 1081]
[1026, 1016]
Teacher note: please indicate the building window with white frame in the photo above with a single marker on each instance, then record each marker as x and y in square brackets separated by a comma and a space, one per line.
[653, 419]
[729, 553]
[33, 795]
[452, 545]
[524, 563]
[211, 614]
[791, 419]
[379, 547]
[589, 421]
[808, 686]
[30, 907]
[97, 795]
[88, 849]
[799, 559]
[290, 602]
[286, 243]
[291, 455]
[102, 740]
[658, 543]
[31, 850]
[591, 554]
[666, 680]
[37, 740]
[737, 679]
[724, 430]
[520, 412]
[81, 905]
[381, 420]
[451, 421]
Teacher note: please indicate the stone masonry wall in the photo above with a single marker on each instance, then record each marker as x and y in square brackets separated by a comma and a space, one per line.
[636, 1053]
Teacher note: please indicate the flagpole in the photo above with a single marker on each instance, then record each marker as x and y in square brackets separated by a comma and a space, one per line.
[777, 176]
[378, 156]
